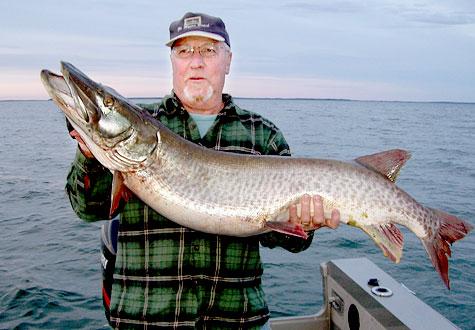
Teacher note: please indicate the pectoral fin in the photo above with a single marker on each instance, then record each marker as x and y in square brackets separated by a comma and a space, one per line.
[120, 193]
[388, 237]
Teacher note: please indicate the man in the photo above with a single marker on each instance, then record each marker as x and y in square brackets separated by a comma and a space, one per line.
[167, 275]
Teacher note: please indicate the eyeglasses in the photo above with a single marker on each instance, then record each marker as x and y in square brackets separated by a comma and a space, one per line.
[206, 51]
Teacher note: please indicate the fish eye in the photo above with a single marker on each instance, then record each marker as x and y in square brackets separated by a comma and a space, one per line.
[108, 101]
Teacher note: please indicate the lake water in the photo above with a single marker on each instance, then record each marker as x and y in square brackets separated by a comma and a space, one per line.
[49, 259]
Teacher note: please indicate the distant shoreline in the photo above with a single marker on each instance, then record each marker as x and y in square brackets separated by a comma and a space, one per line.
[273, 98]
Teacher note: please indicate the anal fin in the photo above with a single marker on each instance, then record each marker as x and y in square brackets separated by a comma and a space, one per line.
[388, 237]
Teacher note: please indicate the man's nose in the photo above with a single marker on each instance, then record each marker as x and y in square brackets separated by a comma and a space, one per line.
[196, 60]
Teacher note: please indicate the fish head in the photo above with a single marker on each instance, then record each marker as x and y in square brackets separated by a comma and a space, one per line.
[113, 128]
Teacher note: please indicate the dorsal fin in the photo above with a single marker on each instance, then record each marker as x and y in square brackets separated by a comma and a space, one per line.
[387, 163]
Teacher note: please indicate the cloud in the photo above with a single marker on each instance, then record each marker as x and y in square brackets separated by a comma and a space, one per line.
[12, 50]
[453, 18]
[431, 12]
[312, 7]
[424, 11]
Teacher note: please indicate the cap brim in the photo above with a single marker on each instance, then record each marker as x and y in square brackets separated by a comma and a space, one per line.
[213, 36]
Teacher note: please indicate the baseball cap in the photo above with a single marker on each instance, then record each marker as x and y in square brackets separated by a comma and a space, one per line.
[197, 24]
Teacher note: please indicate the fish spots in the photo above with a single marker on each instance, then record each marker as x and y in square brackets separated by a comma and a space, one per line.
[426, 228]
[248, 219]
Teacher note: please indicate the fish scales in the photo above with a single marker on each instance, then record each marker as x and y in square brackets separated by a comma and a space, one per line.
[223, 184]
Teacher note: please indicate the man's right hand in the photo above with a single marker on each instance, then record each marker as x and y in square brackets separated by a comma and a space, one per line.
[82, 146]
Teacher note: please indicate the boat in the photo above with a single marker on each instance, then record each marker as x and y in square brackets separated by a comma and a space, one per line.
[360, 295]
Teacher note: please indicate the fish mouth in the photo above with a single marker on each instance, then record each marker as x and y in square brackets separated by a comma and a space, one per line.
[83, 91]
[83, 101]
[74, 93]
[60, 92]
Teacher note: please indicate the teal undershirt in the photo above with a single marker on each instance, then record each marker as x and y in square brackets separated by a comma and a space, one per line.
[203, 122]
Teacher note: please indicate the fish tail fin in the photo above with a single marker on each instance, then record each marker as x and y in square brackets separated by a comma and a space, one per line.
[451, 229]
[388, 237]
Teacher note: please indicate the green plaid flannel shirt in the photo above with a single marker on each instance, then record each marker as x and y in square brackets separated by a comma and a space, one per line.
[170, 276]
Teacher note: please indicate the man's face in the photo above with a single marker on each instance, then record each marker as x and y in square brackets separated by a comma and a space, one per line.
[198, 80]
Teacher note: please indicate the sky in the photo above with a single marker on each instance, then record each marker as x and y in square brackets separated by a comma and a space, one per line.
[393, 50]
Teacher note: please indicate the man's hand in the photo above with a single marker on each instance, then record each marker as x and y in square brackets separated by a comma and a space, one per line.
[317, 220]
[84, 149]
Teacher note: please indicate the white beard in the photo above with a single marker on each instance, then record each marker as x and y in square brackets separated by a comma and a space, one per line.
[197, 96]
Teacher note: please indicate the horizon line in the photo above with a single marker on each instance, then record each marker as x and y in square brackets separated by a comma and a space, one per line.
[277, 98]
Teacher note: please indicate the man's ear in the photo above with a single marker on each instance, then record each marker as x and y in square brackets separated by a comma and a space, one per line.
[228, 64]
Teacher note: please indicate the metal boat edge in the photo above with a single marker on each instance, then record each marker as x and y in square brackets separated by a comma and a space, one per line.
[360, 295]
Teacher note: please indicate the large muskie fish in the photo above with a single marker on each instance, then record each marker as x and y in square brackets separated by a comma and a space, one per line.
[243, 195]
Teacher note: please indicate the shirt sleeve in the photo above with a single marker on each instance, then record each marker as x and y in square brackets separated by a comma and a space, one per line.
[88, 187]
[277, 145]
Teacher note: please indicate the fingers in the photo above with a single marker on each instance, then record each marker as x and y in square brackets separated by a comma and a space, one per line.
[305, 217]
[293, 217]
[84, 149]
[319, 217]
[74, 134]
[317, 220]
[334, 221]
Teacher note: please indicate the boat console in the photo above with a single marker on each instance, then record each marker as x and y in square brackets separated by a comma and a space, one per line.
[359, 295]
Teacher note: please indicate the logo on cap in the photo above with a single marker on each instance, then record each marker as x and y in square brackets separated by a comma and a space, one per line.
[193, 22]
